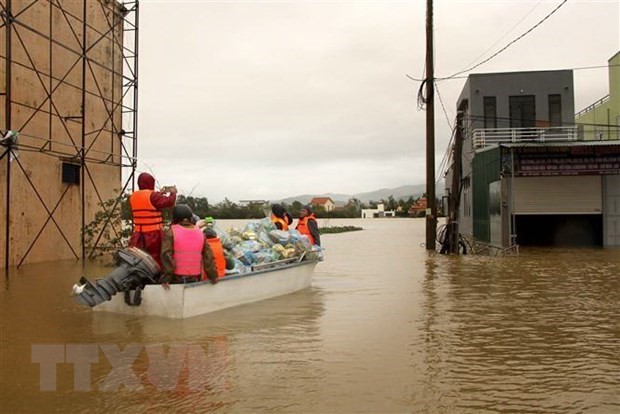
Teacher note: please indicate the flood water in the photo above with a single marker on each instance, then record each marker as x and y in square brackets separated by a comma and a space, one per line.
[386, 327]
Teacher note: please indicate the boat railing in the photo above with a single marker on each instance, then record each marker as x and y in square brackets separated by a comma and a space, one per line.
[261, 266]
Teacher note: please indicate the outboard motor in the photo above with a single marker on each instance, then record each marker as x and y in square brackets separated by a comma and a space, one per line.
[135, 269]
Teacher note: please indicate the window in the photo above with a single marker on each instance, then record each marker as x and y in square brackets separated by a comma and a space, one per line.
[490, 112]
[70, 173]
[467, 197]
[522, 111]
[555, 110]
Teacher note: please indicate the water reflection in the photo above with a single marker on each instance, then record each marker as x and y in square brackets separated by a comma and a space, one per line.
[535, 333]
[235, 347]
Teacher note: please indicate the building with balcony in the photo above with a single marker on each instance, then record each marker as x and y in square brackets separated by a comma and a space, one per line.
[527, 175]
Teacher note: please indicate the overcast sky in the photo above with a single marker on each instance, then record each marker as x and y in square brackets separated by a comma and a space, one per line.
[269, 99]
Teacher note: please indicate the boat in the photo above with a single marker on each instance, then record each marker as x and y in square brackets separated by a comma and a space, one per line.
[192, 299]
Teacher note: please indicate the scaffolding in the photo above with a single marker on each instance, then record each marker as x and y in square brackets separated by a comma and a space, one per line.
[69, 94]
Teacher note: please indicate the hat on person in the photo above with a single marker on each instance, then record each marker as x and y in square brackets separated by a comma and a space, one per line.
[181, 212]
[146, 181]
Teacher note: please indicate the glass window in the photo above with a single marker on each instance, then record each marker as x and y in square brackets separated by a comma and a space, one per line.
[522, 111]
[555, 110]
[490, 112]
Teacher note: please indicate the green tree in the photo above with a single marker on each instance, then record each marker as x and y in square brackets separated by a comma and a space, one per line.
[108, 232]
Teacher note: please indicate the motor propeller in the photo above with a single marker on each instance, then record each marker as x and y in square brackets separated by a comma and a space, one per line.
[135, 268]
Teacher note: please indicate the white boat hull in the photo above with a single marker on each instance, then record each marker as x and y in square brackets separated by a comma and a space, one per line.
[192, 299]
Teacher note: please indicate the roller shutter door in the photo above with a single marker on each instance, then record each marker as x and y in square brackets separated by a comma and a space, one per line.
[558, 195]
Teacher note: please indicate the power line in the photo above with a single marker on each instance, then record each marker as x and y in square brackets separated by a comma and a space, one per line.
[443, 107]
[505, 34]
[575, 68]
[446, 158]
[445, 162]
[508, 45]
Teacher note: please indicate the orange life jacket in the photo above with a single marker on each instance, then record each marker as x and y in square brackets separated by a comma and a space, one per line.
[187, 253]
[218, 254]
[145, 216]
[302, 226]
[283, 223]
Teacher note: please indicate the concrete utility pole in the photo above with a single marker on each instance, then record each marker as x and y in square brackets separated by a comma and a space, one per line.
[431, 208]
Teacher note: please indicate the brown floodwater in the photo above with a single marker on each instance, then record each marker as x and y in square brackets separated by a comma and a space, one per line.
[386, 327]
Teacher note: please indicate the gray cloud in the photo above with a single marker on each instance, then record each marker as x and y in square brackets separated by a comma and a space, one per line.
[272, 99]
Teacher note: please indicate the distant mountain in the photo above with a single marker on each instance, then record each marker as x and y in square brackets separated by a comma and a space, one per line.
[404, 192]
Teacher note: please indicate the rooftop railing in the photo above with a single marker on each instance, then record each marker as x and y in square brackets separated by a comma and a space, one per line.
[592, 106]
[491, 136]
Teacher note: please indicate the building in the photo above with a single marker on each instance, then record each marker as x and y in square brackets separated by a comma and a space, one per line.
[247, 203]
[377, 212]
[527, 176]
[326, 203]
[418, 208]
[602, 119]
[68, 91]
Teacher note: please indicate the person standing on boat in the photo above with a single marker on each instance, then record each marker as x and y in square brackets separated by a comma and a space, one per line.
[146, 207]
[308, 226]
[185, 253]
[280, 217]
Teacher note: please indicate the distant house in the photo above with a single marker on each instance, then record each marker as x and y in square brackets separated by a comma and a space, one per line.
[325, 203]
[418, 208]
[246, 203]
[377, 212]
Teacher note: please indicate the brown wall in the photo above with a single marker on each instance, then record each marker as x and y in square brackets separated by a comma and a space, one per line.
[52, 130]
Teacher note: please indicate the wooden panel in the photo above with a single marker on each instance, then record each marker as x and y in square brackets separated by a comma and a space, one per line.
[54, 134]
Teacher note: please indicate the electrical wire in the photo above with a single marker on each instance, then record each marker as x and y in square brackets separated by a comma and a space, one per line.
[507, 46]
[446, 161]
[443, 108]
[504, 35]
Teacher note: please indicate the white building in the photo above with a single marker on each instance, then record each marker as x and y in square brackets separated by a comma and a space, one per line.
[377, 212]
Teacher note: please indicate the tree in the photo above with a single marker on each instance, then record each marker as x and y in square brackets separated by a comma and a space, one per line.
[109, 231]
[391, 203]
[296, 208]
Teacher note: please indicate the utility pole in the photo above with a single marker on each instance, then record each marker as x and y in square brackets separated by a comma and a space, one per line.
[455, 194]
[431, 208]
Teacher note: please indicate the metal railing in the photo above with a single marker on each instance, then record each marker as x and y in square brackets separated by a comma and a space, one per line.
[592, 106]
[491, 136]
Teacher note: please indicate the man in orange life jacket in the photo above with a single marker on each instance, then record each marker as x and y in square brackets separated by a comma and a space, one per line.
[280, 217]
[185, 253]
[146, 205]
[223, 260]
[308, 226]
